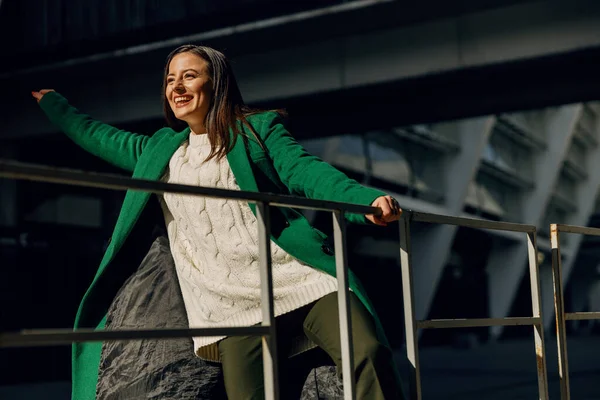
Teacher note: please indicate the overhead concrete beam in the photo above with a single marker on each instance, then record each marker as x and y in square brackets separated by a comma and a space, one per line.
[127, 89]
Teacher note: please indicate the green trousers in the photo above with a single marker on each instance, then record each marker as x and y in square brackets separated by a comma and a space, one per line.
[373, 372]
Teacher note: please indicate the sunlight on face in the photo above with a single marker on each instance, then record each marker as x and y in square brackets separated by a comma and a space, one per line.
[189, 88]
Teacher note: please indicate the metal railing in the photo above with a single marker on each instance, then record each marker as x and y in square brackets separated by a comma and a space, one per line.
[559, 302]
[14, 170]
[412, 325]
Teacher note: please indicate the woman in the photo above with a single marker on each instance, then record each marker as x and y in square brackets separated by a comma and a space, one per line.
[216, 140]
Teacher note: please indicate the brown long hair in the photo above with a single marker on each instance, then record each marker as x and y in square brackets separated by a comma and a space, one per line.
[227, 105]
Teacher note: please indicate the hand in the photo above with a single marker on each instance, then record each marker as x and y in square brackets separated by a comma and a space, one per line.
[390, 208]
[38, 95]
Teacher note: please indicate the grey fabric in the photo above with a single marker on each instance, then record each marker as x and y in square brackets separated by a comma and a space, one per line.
[168, 369]
[154, 369]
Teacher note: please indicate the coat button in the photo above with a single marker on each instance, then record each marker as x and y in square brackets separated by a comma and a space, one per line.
[287, 224]
[327, 249]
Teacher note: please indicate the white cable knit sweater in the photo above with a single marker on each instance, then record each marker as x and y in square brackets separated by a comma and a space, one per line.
[214, 243]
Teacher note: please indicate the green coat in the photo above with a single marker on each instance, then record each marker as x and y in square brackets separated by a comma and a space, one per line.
[285, 168]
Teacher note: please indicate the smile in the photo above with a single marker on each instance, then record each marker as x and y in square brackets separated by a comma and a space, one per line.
[182, 101]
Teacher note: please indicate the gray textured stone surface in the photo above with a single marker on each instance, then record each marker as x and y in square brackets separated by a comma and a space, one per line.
[168, 369]
[322, 383]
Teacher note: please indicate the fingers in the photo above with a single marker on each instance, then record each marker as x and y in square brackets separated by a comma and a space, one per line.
[396, 207]
[395, 210]
[390, 210]
[386, 208]
[38, 95]
[375, 220]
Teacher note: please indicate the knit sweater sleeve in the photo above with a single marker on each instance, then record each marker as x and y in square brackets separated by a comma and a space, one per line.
[307, 175]
[118, 147]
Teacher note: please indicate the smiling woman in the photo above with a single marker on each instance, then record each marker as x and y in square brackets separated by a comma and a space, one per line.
[216, 140]
[189, 90]
[200, 88]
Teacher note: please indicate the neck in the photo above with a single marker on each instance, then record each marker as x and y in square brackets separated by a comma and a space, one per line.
[197, 129]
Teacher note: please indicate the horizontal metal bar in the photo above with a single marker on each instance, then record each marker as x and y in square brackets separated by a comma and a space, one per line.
[582, 315]
[49, 337]
[583, 230]
[41, 173]
[477, 322]
[470, 222]
[201, 37]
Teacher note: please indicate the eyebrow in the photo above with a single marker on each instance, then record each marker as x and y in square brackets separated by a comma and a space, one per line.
[184, 71]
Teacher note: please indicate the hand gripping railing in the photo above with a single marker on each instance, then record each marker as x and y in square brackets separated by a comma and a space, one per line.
[412, 325]
[14, 170]
[559, 302]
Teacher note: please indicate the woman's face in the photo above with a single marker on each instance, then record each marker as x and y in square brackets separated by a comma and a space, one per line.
[189, 88]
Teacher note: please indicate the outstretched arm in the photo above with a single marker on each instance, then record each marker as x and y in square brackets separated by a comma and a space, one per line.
[309, 176]
[118, 147]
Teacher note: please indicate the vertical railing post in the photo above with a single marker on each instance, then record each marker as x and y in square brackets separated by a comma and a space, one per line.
[341, 268]
[270, 367]
[410, 322]
[559, 310]
[536, 305]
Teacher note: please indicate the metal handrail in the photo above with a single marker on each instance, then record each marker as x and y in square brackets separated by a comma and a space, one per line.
[471, 222]
[47, 337]
[559, 302]
[412, 324]
[16, 170]
[40, 173]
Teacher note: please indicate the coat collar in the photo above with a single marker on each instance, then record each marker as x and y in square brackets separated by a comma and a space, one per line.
[150, 166]
[157, 159]
[154, 161]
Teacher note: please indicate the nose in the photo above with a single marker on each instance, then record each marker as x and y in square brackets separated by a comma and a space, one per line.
[179, 89]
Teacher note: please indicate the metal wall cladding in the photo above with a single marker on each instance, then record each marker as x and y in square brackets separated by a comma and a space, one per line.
[34, 24]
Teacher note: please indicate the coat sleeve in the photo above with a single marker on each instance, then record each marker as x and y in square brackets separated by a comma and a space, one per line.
[307, 175]
[118, 147]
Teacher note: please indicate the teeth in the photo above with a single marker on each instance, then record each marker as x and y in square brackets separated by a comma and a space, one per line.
[182, 99]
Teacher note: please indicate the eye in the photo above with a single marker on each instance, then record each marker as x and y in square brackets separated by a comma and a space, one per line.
[170, 80]
[189, 75]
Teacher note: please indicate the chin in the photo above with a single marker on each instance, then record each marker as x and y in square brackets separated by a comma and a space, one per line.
[181, 116]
